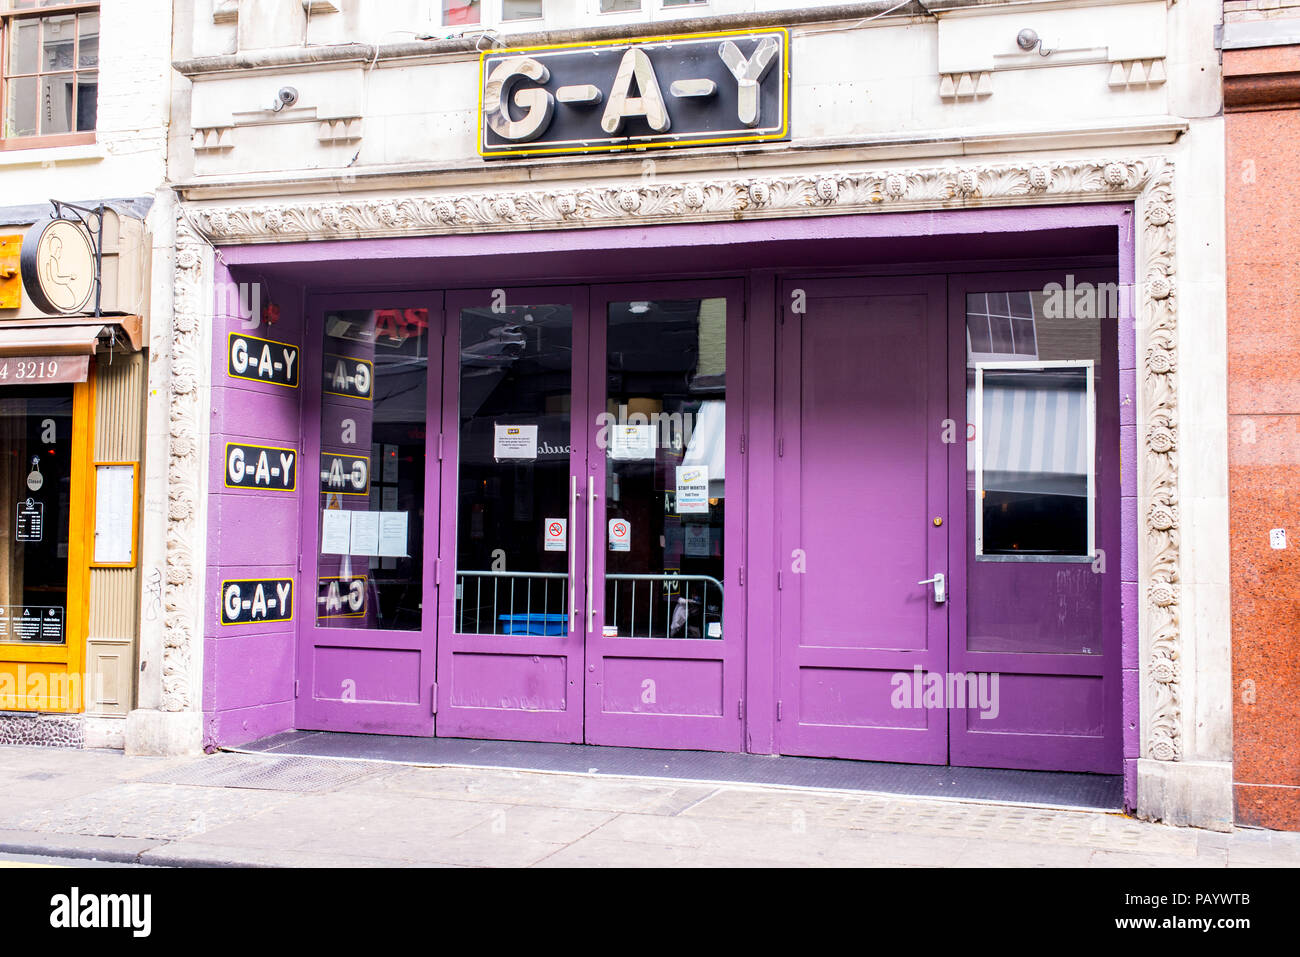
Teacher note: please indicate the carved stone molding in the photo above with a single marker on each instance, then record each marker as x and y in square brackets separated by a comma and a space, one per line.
[1147, 182]
[966, 86]
[1137, 74]
[183, 583]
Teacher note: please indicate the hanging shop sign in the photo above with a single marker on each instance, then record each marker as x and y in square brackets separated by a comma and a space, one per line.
[708, 89]
[261, 466]
[262, 360]
[245, 601]
[60, 266]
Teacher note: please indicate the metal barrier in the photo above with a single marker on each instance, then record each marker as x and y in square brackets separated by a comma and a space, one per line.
[689, 606]
[536, 603]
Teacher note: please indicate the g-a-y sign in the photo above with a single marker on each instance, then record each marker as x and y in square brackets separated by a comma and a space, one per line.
[696, 90]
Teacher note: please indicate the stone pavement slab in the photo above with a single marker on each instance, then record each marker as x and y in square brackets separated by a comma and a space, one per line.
[85, 803]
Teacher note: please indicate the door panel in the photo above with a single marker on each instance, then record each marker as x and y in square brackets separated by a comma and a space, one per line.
[1036, 586]
[664, 627]
[510, 650]
[366, 632]
[861, 478]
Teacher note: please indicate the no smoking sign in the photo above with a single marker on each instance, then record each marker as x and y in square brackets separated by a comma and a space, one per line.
[556, 534]
[620, 535]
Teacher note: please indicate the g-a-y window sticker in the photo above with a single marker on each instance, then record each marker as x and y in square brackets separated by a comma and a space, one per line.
[262, 360]
[249, 601]
[694, 90]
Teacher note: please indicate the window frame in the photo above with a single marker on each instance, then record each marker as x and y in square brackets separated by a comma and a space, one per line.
[8, 15]
[1090, 453]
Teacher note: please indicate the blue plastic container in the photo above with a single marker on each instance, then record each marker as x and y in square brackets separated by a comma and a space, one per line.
[533, 624]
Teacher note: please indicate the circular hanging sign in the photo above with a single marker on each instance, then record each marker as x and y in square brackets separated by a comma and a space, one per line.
[58, 266]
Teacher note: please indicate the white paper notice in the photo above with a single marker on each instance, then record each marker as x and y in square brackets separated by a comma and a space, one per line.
[556, 537]
[697, 540]
[631, 442]
[365, 533]
[515, 442]
[692, 490]
[392, 534]
[620, 535]
[335, 532]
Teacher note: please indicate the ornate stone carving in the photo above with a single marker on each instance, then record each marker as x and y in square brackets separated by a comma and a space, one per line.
[1147, 181]
[182, 594]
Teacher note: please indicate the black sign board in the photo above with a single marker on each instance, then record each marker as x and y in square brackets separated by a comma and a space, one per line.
[344, 375]
[247, 601]
[31, 521]
[261, 466]
[694, 90]
[341, 597]
[262, 360]
[32, 623]
[344, 473]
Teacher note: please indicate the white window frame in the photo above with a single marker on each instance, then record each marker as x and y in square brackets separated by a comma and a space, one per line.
[1091, 455]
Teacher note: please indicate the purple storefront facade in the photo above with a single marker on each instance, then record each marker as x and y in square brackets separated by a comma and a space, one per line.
[871, 398]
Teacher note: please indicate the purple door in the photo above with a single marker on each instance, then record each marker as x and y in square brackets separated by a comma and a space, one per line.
[862, 494]
[511, 579]
[663, 616]
[371, 388]
[1035, 607]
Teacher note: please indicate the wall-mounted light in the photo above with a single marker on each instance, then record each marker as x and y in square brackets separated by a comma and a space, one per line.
[1027, 39]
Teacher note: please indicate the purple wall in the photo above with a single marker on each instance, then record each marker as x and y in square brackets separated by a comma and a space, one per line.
[249, 670]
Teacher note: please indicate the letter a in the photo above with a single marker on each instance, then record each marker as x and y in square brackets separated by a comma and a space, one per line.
[623, 105]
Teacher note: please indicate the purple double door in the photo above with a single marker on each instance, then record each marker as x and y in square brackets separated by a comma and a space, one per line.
[947, 479]
[579, 506]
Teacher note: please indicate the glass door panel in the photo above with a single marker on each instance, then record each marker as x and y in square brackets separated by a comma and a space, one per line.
[663, 651]
[367, 646]
[510, 650]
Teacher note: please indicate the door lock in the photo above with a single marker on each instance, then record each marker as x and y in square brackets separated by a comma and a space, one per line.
[940, 587]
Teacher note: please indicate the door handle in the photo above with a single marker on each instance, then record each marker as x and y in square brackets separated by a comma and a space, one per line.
[573, 594]
[940, 587]
[591, 551]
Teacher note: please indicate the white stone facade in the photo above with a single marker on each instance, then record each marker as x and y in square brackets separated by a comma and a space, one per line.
[941, 109]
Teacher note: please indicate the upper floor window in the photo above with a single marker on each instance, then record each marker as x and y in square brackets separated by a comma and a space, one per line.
[49, 72]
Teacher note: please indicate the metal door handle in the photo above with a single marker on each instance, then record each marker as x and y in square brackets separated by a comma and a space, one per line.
[591, 551]
[940, 587]
[569, 535]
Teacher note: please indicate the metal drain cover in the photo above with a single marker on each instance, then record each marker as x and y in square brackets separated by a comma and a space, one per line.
[265, 773]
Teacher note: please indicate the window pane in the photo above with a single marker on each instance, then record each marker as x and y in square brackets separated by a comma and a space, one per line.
[665, 484]
[371, 474]
[88, 42]
[58, 40]
[20, 107]
[683, 3]
[456, 12]
[1035, 445]
[87, 100]
[24, 44]
[36, 424]
[521, 10]
[58, 97]
[513, 483]
[618, 6]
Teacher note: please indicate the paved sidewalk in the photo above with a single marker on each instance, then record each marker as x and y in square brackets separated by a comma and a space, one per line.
[315, 812]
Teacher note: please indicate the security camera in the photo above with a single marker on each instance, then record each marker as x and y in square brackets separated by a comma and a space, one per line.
[286, 96]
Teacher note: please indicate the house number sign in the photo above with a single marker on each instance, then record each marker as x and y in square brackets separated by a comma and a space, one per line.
[697, 90]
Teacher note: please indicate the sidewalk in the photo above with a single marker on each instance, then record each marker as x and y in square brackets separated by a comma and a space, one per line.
[315, 812]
